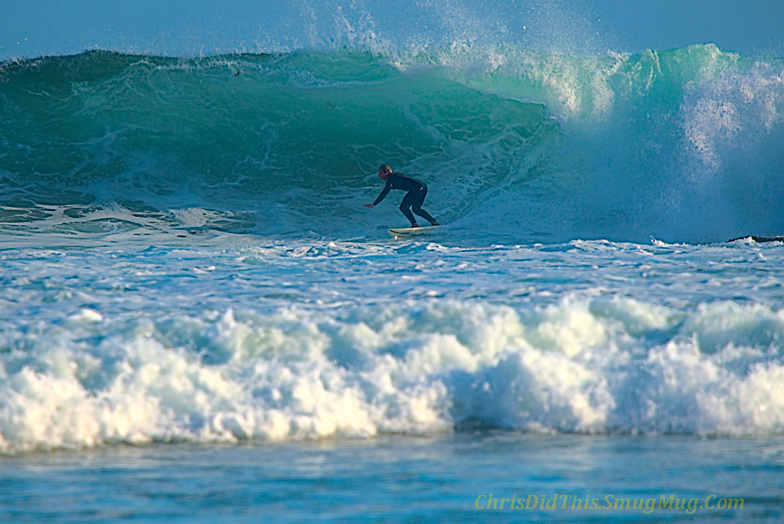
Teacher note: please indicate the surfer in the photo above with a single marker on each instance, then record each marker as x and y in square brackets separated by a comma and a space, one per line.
[417, 191]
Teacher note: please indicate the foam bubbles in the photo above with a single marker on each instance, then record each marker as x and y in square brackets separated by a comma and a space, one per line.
[730, 114]
[579, 365]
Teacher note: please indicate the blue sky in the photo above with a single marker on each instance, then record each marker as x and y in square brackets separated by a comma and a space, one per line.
[190, 27]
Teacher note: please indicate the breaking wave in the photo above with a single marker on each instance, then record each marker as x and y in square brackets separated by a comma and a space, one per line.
[681, 145]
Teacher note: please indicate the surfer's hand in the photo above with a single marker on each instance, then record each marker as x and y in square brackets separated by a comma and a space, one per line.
[370, 205]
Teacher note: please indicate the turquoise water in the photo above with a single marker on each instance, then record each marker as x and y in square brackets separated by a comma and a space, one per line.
[201, 320]
[439, 478]
[680, 145]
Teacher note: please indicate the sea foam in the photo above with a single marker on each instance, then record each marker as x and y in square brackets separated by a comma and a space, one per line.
[584, 366]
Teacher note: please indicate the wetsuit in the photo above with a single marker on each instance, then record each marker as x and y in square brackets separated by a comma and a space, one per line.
[417, 191]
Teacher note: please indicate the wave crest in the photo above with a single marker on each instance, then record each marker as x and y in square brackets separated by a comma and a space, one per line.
[553, 147]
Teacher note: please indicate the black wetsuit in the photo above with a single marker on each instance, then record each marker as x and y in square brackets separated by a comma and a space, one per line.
[417, 191]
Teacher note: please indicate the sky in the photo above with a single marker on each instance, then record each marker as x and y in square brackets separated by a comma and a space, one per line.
[31, 28]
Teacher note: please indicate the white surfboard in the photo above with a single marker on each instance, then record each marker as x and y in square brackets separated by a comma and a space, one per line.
[410, 231]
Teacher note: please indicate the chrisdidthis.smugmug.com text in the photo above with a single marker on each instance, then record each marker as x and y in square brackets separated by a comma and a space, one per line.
[569, 502]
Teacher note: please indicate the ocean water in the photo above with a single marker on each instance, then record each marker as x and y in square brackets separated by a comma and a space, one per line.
[201, 320]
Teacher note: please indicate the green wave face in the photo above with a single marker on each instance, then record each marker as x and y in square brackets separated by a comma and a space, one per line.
[544, 146]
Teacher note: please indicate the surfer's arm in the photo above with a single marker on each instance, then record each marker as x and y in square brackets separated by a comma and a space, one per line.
[383, 194]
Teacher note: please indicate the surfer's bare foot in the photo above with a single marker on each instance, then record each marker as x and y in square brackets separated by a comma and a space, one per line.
[414, 225]
[435, 223]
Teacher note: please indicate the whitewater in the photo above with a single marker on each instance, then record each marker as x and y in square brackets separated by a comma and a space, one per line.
[190, 282]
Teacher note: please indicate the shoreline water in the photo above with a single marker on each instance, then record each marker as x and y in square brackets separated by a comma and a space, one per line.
[441, 477]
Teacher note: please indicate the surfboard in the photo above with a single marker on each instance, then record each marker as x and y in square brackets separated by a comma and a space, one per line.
[410, 231]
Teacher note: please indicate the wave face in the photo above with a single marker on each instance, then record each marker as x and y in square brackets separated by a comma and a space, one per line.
[681, 145]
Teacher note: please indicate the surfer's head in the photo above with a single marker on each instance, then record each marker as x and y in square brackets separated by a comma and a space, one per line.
[383, 171]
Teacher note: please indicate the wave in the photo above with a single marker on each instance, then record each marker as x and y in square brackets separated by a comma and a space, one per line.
[587, 366]
[682, 145]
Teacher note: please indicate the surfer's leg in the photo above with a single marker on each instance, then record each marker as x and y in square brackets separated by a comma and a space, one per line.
[416, 207]
[404, 208]
[424, 214]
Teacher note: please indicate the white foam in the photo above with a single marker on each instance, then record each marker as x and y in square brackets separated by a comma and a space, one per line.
[580, 365]
[86, 315]
[732, 113]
